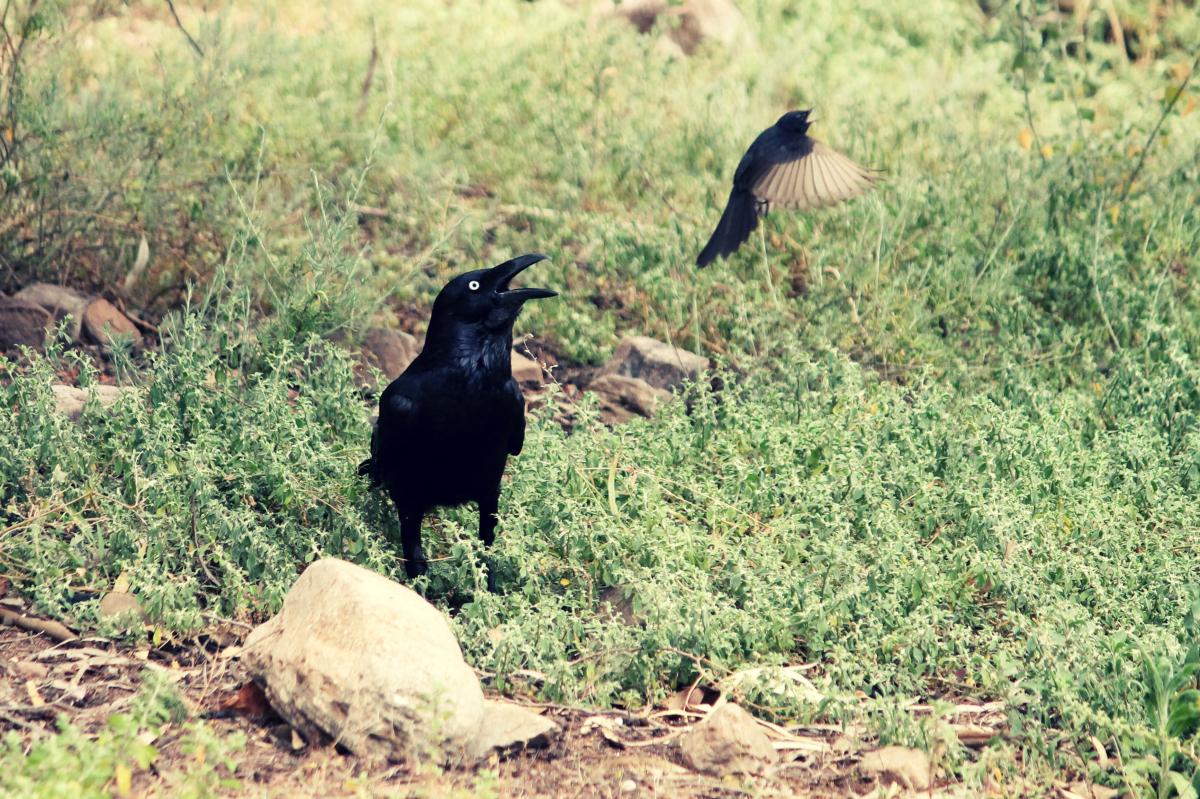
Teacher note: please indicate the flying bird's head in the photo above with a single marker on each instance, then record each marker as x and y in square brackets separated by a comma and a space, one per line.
[484, 297]
[795, 121]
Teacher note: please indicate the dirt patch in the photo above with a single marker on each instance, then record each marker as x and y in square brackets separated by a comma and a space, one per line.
[600, 754]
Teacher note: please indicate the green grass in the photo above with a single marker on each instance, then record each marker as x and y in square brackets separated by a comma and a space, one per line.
[957, 451]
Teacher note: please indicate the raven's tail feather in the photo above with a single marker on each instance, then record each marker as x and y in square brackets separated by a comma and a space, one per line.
[737, 223]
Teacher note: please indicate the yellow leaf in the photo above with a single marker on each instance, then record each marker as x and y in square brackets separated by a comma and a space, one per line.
[1114, 213]
[121, 584]
[35, 697]
[1047, 151]
[8, 135]
[1025, 138]
[124, 779]
[564, 582]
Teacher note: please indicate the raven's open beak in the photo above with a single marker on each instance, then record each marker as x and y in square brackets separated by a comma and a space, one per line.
[506, 271]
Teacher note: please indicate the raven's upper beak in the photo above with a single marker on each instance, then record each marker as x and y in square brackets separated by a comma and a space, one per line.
[506, 271]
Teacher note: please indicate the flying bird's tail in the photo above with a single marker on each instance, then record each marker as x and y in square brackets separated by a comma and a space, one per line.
[737, 223]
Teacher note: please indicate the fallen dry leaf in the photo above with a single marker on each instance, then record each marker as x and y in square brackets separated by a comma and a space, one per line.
[35, 697]
[249, 701]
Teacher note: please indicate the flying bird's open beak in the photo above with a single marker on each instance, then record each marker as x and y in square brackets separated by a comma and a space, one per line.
[506, 271]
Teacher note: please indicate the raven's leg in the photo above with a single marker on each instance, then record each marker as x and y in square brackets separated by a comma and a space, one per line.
[488, 505]
[410, 540]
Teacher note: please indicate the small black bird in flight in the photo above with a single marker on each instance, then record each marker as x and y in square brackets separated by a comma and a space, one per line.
[784, 168]
[448, 424]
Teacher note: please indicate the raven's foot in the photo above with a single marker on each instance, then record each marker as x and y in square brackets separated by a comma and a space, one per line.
[415, 564]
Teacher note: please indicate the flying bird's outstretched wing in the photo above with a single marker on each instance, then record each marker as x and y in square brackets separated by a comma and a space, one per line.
[783, 171]
[819, 177]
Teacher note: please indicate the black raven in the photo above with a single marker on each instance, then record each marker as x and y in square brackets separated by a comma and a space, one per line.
[787, 169]
[448, 424]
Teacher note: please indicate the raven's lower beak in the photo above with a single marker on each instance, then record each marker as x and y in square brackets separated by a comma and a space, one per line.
[506, 271]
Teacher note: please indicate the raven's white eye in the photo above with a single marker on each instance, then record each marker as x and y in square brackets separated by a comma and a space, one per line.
[473, 285]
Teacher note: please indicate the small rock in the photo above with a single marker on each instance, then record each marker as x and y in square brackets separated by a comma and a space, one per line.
[59, 301]
[509, 728]
[628, 786]
[118, 603]
[628, 393]
[620, 604]
[1085, 790]
[23, 324]
[688, 24]
[354, 657]
[391, 351]
[526, 371]
[103, 322]
[729, 741]
[659, 364]
[70, 400]
[898, 764]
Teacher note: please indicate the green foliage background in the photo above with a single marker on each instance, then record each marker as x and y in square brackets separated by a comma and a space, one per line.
[956, 454]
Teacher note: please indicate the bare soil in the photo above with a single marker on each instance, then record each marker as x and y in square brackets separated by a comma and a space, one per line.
[89, 679]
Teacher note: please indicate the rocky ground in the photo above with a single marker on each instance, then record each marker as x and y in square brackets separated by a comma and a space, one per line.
[640, 375]
[698, 744]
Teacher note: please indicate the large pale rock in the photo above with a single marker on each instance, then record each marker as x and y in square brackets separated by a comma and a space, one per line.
[391, 351]
[354, 657]
[23, 324]
[59, 301]
[898, 765]
[622, 396]
[729, 741]
[657, 363]
[70, 400]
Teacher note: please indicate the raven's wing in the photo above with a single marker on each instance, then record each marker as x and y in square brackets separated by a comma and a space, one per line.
[397, 413]
[812, 177]
[516, 435]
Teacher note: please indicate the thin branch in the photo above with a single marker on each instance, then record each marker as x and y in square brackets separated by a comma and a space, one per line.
[49, 627]
[1037, 140]
[179, 24]
[370, 77]
[1150, 140]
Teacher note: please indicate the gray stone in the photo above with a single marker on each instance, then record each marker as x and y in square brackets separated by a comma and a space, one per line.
[729, 741]
[104, 323]
[70, 400]
[620, 393]
[59, 301]
[526, 371]
[391, 351]
[116, 604]
[898, 765]
[356, 658]
[659, 364]
[23, 324]
[508, 728]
